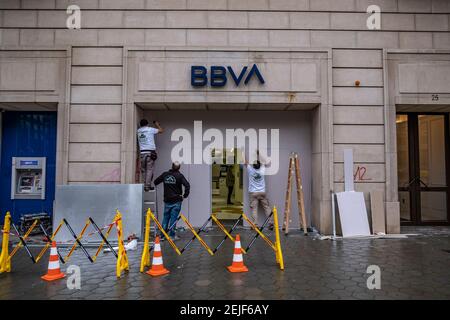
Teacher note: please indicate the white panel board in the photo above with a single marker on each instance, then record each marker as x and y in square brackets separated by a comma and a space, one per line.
[353, 214]
[78, 202]
[348, 170]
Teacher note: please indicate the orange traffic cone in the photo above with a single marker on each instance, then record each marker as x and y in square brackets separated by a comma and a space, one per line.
[238, 261]
[157, 268]
[54, 273]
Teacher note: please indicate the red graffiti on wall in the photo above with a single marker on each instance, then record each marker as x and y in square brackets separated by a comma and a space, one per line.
[112, 176]
[360, 173]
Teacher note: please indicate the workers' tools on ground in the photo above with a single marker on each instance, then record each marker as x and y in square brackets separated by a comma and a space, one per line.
[54, 272]
[203, 243]
[276, 247]
[294, 165]
[157, 268]
[26, 221]
[238, 260]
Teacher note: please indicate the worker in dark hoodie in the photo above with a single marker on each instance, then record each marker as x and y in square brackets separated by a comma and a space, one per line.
[173, 196]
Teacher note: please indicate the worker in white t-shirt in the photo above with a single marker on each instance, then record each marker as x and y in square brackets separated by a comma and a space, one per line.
[257, 190]
[147, 147]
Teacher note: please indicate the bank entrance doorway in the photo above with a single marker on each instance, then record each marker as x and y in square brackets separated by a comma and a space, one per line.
[226, 184]
[27, 162]
[423, 168]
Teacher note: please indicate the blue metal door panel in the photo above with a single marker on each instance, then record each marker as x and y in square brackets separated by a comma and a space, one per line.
[27, 134]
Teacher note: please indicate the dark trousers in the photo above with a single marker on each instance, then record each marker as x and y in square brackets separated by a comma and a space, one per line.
[230, 192]
[171, 212]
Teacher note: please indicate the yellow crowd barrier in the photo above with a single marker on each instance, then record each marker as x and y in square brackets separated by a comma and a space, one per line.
[5, 256]
[145, 259]
[122, 259]
[173, 245]
[5, 261]
[275, 246]
[196, 235]
[227, 233]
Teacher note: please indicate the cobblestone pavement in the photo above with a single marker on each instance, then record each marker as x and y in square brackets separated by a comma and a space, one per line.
[413, 268]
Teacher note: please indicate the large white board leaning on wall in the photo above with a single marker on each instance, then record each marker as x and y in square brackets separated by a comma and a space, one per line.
[351, 204]
[353, 214]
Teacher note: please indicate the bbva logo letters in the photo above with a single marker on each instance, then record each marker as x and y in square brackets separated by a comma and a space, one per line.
[218, 75]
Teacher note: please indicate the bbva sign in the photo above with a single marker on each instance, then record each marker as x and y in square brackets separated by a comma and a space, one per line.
[218, 75]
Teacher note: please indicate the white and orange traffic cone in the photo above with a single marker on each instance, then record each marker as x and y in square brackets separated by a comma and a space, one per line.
[238, 260]
[54, 272]
[157, 268]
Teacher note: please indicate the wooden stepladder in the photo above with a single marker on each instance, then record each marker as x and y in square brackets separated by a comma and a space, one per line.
[294, 165]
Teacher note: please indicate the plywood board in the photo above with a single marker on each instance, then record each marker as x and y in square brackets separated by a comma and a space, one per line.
[353, 214]
[378, 212]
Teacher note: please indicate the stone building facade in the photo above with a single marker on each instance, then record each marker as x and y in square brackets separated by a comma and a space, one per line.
[132, 58]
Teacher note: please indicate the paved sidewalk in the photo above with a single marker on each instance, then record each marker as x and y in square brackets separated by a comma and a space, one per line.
[413, 268]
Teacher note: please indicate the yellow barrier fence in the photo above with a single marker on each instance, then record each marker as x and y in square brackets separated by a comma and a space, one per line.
[145, 259]
[5, 256]
[173, 245]
[122, 259]
[227, 232]
[276, 247]
[202, 242]
[5, 261]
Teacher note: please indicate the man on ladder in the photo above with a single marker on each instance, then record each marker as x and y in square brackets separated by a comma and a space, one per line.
[257, 189]
[147, 147]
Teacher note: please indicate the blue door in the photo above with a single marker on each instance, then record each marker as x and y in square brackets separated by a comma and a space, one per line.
[27, 134]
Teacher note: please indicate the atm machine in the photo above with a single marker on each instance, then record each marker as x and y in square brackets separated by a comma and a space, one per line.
[28, 183]
[28, 178]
